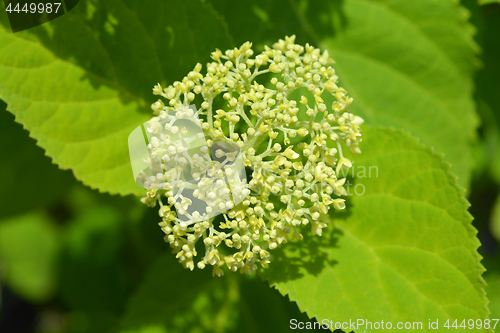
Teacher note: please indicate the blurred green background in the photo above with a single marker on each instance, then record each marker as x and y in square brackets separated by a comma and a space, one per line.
[76, 260]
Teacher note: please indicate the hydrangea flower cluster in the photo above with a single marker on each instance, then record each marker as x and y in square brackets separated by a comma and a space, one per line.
[280, 129]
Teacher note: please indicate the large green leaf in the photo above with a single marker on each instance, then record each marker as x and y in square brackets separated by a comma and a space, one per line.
[493, 290]
[488, 85]
[82, 82]
[173, 299]
[29, 246]
[404, 250]
[492, 278]
[495, 219]
[92, 272]
[182, 301]
[409, 64]
[25, 169]
[487, 2]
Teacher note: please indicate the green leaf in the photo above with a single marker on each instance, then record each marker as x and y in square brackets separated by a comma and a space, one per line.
[150, 329]
[81, 83]
[493, 291]
[263, 309]
[173, 299]
[404, 249]
[29, 245]
[487, 2]
[492, 278]
[90, 322]
[488, 85]
[92, 274]
[25, 169]
[495, 219]
[177, 300]
[409, 65]
[263, 22]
